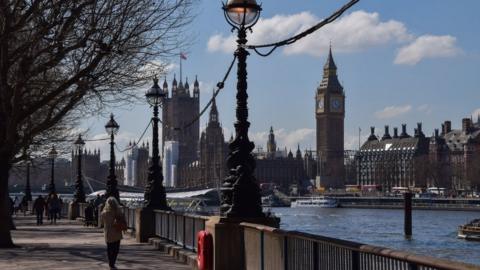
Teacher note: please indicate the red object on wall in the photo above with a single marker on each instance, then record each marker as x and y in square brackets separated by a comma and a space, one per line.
[204, 250]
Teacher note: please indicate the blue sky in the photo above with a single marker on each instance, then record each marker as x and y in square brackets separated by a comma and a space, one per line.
[400, 61]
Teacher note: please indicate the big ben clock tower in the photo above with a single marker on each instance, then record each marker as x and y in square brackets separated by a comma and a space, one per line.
[330, 116]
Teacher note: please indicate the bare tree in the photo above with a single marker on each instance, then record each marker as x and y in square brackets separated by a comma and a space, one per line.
[63, 58]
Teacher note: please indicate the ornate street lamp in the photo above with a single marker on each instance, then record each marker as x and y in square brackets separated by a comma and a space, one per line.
[52, 154]
[28, 189]
[240, 192]
[112, 129]
[155, 196]
[79, 195]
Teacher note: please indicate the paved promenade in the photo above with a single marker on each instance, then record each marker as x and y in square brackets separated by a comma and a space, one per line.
[69, 245]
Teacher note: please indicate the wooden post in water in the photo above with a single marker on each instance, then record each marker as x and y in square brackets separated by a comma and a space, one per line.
[408, 214]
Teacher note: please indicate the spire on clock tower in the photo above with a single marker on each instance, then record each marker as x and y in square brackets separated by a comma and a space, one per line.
[213, 111]
[330, 81]
[271, 144]
[330, 64]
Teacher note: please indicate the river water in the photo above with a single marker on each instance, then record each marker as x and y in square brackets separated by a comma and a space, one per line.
[434, 232]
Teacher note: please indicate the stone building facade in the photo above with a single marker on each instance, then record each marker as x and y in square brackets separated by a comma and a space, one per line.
[136, 160]
[278, 167]
[210, 169]
[326, 164]
[180, 109]
[92, 168]
[450, 159]
[392, 161]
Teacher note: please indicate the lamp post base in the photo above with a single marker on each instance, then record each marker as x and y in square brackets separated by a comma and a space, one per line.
[144, 224]
[73, 211]
[229, 239]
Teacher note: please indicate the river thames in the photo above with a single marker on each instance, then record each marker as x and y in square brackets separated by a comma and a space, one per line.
[434, 232]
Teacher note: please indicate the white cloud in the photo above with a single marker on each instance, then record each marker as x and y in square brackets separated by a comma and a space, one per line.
[356, 31]
[392, 111]
[351, 141]
[425, 108]
[427, 46]
[206, 88]
[220, 43]
[286, 138]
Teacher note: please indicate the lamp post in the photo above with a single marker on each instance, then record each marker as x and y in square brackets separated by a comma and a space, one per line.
[112, 128]
[53, 154]
[28, 189]
[79, 195]
[155, 196]
[240, 192]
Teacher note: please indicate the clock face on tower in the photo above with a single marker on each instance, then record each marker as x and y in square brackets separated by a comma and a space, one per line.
[320, 105]
[336, 104]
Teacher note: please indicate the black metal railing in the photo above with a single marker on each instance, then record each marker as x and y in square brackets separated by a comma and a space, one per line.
[179, 228]
[130, 217]
[81, 209]
[270, 248]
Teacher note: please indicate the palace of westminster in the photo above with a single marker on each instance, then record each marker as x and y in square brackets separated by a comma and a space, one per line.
[194, 160]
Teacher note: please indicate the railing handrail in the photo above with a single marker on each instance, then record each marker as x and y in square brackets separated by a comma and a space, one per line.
[182, 214]
[369, 249]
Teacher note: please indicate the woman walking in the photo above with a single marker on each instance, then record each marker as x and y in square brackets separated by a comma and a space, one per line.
[113, 222]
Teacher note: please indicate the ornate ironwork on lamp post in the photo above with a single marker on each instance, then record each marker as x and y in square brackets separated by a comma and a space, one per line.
[79, 195]
[155, 196]
[240, 191]
[112, 190]
[53, 154]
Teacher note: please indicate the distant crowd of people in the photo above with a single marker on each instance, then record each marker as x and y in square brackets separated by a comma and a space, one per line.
[18, 205]
[92, 210]
[51, 207]
[106, 211]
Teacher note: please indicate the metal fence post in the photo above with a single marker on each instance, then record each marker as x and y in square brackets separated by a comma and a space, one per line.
[315, 256]
[355, 260]
[412, 266]
[176, 231]
[262, 252]
[184, 240]
[285, 253]
[168, 226]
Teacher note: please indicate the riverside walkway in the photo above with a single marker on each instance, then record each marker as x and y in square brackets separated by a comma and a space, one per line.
[69, 245]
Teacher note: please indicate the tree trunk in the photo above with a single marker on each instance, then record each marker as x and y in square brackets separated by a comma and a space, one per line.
[5, 217]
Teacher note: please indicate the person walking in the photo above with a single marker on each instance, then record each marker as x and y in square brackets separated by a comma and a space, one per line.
[12, 206]
[38, 207]
[16, 205]
[113, 221]
[24, 205]
[53, 208]
[60, 207]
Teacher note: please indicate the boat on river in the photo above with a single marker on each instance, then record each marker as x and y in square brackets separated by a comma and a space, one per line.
[322, 202]
[470, 231]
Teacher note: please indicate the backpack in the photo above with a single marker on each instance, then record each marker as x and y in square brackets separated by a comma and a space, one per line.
[119, 223]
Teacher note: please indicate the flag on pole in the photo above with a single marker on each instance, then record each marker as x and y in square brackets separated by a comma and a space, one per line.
[183, 56]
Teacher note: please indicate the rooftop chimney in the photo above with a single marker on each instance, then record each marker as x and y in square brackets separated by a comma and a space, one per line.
[466, 125]
[419, 128]
[436, 133]
[395, 133]
[404, 132]
[447, 126]
[386, 136]
[372, 136]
